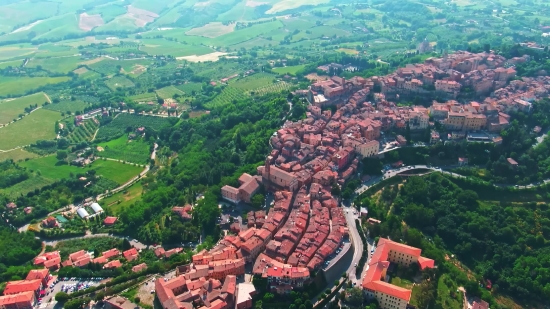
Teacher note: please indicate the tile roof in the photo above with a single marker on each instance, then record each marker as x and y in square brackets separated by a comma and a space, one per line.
[14, 287]
[37, 274]
[20, 298]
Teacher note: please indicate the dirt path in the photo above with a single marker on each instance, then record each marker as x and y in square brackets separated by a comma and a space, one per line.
[47, 97]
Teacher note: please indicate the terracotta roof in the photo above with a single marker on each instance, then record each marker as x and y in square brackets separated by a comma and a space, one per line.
[14, 287]
[113, 264]
[425, 262]
[139, 267]
[76, 255]
[110, 253]
[37, 274]
[53, 262]
[25, 297]
[130, 254]
[109, 220]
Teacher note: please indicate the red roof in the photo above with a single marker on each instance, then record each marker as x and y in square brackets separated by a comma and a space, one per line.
[139, 267]
[113, 264]
[83, 261]
[14, 287]
[100, 260]
[25, 297]
[110, 253]
[76, 255]
[425, 262]
[109, 220]
[53, 262]
[159, 252]
[130, 254]
[38, 274]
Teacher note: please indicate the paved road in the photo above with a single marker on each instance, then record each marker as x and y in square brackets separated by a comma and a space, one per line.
[138, 245]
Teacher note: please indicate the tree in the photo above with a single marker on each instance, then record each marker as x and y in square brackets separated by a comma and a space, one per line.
[355, 297]
[258, 200]
[126, 244]
[137, 300]
[61, 297]
[62, 155]
[258, 305]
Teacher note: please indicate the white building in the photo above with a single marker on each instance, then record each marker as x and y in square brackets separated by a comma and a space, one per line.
[96, 208]
[82, 213]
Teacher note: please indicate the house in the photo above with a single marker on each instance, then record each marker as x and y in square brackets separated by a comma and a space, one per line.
[53, 263]
[112, 264]
[171, 252]
[50, 222]
[27, 210]
[25, 300]
[512, 162]
[20, 286]
[183, 212]
[139, 267]
[83, 261]
[245, 291]
[77, 255]
[401, 140]
[111, 253]
[42, 274]
[159, 252]
[130, 254]
[11, 205]
[480, 304]
[249, 185]
[119, 302]
[110, 221]
[462, 161]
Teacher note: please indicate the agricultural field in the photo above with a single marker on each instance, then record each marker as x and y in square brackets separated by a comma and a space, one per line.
[227, 96]
[212, 30]
[122, 199]
[17, 155]
[292, 70]
[174, 49]
[27, 186]
[84, 132]
[168, 92]
[11, 108]
[39, 125]
[19, 85]
[57, 64]
[118, 126]
[67, 106]
[122, 148]
[144, 97]
[119, 81]
[188, 88]
[253, 82]
[277, 87]
[112, 170]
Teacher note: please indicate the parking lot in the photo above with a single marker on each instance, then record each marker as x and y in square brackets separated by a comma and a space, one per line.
[67, 285]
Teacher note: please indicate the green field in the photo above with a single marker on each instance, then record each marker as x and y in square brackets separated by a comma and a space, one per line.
[19, 85]
[168, 92]
[188, 88]
[253, 82]
[123, 198]
[83, 132]
[119, 81]
[227, 96]
[289, 70]
[67, 105]
[39, 125]
[144, 97]
[11, 108]
[27, 186]
[58, 64]
[16, 155]
[49, 168]
[121, 148]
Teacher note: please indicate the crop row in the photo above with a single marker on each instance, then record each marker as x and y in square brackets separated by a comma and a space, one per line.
[120, 124]
[277, 87]
[226, 96]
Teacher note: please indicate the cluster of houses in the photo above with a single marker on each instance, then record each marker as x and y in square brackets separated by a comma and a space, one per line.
[483, 74]
[109, 259]
[284, 245]
[25, 293]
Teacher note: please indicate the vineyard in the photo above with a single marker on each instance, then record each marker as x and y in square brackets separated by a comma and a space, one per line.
[253, 82]
[105, 67]
[83, 132]
[144, 97]
[226, 96]
[122, 122]
[277, 87]
[135, 151]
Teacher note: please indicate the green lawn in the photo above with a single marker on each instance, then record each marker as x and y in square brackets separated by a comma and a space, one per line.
[27, 186]
[121, 148]
[11, 108]
[38, 125]
[49, 168]
[289, 70]
[447, 293]
[124, 198]
[404, 283]
[119, 81]
[19, 85]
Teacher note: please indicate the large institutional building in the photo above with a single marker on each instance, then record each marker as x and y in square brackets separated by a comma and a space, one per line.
[390, 296]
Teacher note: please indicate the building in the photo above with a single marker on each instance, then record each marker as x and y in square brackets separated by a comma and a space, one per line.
[110, 221]
[401, 140]
[434, 137]
[20, 286]
[96, 208]
[118, 302]
[512, 162]
[462, 161]
[82, 213]
[130, 254]
[245, 291]
[50, 222]
[42, 274]
[24, 300]
[139, 267]
[249, 185]
[374, 284]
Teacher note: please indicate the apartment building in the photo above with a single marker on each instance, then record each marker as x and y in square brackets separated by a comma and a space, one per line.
[374, 284]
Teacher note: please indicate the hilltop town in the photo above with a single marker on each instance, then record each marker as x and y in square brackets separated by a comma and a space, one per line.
[305, 225]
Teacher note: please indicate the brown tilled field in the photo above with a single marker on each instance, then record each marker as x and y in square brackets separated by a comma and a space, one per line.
[89, 22]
